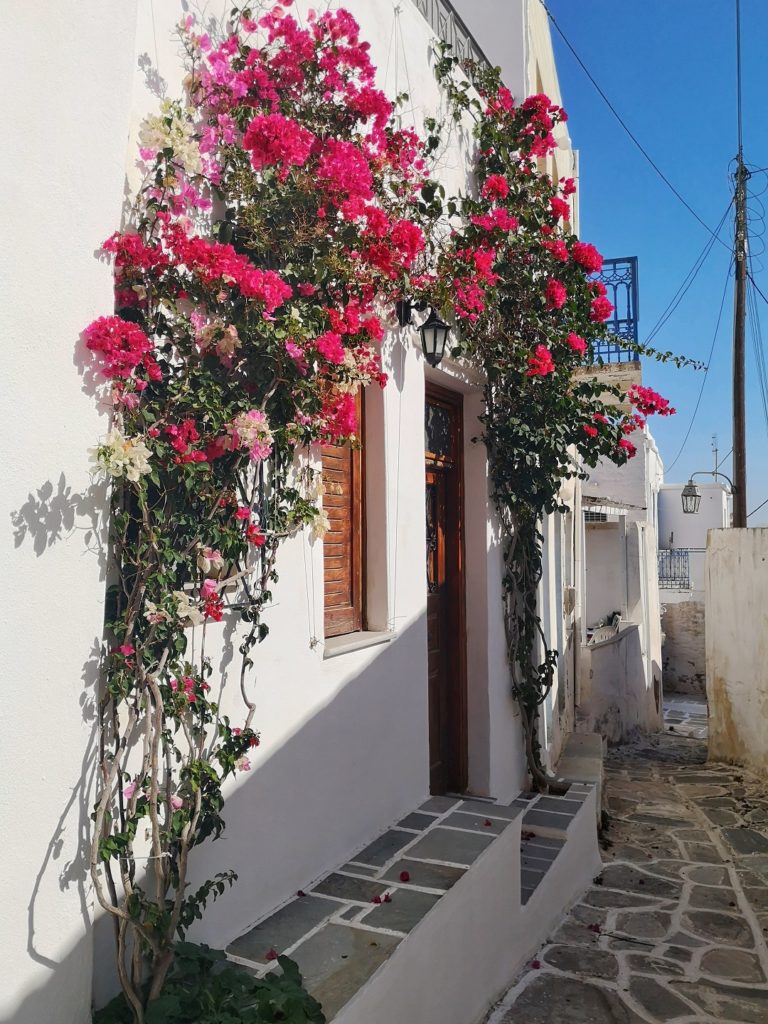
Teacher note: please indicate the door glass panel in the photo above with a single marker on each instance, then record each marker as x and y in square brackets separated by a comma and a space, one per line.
[438, 435]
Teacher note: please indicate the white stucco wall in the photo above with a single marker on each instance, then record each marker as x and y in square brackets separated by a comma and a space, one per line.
[344, 740]
[737, 646]
[66, 81]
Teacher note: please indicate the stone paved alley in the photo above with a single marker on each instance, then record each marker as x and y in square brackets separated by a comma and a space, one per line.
[674, 929]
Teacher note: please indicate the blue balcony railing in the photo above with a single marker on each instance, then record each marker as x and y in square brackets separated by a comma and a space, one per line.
[620, 279]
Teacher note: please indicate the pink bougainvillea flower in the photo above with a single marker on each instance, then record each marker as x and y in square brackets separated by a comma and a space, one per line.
[540, 363]
[405, 876]
[387, 898]
[495, 187]
[577, 343]
[330, 347]
[376, 899]
[628, 447]
[129, 790]
[535, 965]
[587, 256]
[600, 309]
[301, 894]
[560, 208]
[126, 649]
[591, 431]
[274, 140]
[176, 803]
[271, 954]
[556, 294]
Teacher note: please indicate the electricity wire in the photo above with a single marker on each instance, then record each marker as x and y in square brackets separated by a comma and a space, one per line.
[758, 347]
[688, 280]
[628, 130]
[761, 505]
[706, 371]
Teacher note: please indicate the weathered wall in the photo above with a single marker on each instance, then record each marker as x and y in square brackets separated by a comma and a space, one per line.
[737, 646]
[66, 83]
[683, 651]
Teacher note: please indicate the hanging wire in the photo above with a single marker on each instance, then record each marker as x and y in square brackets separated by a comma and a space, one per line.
[688, 280]
[757, 345]
[761, 505]
[629, 132]
[709, 363]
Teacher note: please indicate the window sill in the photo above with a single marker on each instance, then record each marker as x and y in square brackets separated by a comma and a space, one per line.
[336, 645]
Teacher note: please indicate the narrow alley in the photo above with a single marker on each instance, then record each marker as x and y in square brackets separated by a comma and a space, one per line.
[674, 929]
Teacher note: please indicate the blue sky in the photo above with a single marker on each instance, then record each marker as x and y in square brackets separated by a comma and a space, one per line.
[669, 68]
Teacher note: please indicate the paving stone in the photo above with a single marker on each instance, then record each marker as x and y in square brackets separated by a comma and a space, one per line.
[645, 963]
[405, 911]
[337, 961]
[608, 898]
[536, 819]
[745, 1005]
[539, 852]
[417, 821]
[451, 846]
[359, 869]
[684, 939]
[679, 953]
[430, 876]
[439, 804]
[720, 816]
[477, 823]
[733, 965]
[283, 929]
[342, 887]
[551, 997]
[702, 854]
[746, 840]
[560, 805]
[758, 898]
[644, 925]
[628, 879]
[572, 933]
[490, 809]
[384, 848]
[708, 898]
[350, 913]
[709, 875]
[656, 999]
[594, 963]
[726, 929]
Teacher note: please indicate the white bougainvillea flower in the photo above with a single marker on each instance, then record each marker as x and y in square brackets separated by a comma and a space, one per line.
[122, 456]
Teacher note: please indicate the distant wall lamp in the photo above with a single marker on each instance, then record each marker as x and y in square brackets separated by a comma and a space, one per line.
[691, 495]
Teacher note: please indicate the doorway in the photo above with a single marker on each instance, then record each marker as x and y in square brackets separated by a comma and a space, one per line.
[446, 630]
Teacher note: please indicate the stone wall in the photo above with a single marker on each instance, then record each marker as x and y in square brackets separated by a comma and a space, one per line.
[683, 651]
[737, 646]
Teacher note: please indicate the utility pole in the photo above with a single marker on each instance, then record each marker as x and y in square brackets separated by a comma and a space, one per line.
[739, 312]
[739, 316]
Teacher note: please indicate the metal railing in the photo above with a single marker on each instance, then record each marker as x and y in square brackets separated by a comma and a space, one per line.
[620, 279]
[675, 569]
[447, 24]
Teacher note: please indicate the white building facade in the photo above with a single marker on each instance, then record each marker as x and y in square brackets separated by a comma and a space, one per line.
[348, 741]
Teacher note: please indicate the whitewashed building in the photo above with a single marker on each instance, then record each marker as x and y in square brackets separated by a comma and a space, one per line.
[682, 557]
[369, 699]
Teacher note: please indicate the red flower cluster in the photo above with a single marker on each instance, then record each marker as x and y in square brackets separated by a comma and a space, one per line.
[587, 256]
[182, 437]
[555, 294]
[497, 219]
[495, 187]
[541, 362]
[560, 208]
[648, 401]
[274, 140]
[330, 347]
[558, 248]
[123, 347]
[577, 343]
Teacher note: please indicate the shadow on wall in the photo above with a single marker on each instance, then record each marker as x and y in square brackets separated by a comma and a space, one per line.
[343, 776]
[54, 512]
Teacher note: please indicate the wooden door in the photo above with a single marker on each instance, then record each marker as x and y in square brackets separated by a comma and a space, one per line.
[445, 592]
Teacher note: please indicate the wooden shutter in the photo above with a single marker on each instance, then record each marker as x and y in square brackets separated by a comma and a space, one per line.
[343, 543]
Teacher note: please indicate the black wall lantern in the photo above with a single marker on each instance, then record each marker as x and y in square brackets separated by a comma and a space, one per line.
[434, 331]
[691, 495]
[434, 334]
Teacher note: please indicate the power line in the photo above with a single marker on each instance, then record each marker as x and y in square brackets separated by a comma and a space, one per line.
[688, 280]
[629, 132]
[762, 505]
[706, 371]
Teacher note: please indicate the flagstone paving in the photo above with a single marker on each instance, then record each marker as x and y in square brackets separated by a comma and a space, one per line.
[675, 927]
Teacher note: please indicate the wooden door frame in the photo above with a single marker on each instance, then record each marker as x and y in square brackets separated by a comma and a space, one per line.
[455, 401]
